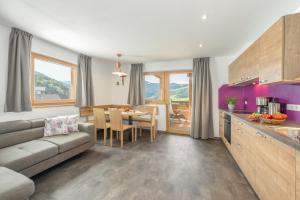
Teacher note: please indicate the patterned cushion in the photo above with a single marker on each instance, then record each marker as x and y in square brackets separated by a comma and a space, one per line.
[72, 123]
[55, 126]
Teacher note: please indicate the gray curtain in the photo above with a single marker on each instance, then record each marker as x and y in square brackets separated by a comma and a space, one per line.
[84, 90]
[202, 121]
[18, 92]
[136, 85]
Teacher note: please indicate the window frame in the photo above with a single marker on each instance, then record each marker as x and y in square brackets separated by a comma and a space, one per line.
[53, 102]
[160, 75]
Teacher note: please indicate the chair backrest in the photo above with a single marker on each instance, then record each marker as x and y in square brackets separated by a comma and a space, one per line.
[146, 108]
[116, 121]
[99, 118]
[153, 110]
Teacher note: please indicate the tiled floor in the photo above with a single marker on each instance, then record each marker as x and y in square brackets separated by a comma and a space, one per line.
[174, 167]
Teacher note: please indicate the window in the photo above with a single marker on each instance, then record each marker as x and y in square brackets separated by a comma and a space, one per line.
[154, 87]
[53, 81]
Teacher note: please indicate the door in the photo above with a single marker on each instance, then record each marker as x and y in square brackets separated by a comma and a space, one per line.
[179, 101]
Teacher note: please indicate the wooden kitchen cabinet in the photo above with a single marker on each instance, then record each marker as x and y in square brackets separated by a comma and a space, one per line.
[297, 175]
[243, 148]
[237, 70]
[271, 43]
[234, 73]
[252, 61]
[221, 124]
[250, 161]
[273, 58]
[275, 169]
[268, 165]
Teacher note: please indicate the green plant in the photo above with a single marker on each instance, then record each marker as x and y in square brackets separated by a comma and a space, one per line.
[231, 100]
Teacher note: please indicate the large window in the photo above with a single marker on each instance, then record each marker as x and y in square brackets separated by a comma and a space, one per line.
[53, 81]
[154, 87]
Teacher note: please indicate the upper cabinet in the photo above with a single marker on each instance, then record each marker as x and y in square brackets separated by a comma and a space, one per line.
[272, 58]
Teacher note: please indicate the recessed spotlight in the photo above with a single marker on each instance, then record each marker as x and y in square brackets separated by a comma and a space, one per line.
[200, 45]
[204, 16]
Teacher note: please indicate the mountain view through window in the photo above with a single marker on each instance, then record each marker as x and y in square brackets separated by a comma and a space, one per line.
[52, 81]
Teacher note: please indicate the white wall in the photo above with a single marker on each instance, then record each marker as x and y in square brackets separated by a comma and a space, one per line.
[102, 79]
[219, 67]
[101, 72]
[219, 75]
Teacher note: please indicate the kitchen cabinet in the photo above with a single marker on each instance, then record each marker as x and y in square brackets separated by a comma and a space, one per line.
[268, 165]
[234, 73]
[252, 61]
[237, 70]
[271, 53]
[275, 169]
[273, 58]
[298, 175]
[243, 148]
[221, 124]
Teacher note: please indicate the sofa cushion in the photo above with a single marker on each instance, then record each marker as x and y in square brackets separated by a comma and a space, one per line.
[67, 142]
[55, 126]
[21, 156]
[14, 186]
[35, 123]
[17, 137]
[12, 126]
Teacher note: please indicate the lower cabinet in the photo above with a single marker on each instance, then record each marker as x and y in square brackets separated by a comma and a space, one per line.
[298, 175]
[269, 165]
[221, 124]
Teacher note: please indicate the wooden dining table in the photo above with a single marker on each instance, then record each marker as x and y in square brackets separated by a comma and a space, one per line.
[130, 114]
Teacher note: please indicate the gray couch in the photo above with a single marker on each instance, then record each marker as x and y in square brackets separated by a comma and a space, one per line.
[24, 149]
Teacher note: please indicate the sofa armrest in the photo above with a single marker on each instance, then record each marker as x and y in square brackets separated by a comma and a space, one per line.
[88, 128]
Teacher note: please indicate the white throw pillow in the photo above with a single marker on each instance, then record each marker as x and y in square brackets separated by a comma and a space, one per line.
[72, 123]
[55, 126]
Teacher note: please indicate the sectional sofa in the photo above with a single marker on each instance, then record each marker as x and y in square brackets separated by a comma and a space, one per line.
[25, 150]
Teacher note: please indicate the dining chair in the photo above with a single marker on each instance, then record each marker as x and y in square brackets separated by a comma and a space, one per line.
[100, 122]
[116, 124]
[149, 123]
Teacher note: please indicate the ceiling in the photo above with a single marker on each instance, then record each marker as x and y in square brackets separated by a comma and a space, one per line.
[146, 30]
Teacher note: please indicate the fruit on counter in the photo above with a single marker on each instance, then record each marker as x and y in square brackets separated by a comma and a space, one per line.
[267, 116]
[276, 116]
[254, 116]
[279, 116]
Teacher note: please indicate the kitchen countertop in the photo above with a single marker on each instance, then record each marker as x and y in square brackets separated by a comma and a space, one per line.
[269, 129]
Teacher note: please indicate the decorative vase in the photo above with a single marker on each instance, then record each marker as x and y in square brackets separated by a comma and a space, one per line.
[231, 107]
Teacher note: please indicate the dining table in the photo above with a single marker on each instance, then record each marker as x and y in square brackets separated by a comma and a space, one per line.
[130, 114]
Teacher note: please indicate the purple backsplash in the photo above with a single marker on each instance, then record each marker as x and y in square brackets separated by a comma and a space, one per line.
[287, 94]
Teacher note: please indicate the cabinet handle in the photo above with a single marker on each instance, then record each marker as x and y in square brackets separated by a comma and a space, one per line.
[260, 135]
[263, 81]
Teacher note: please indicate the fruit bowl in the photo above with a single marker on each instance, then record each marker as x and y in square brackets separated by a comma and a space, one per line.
[273, 121]
[276, 119]
[254, 117]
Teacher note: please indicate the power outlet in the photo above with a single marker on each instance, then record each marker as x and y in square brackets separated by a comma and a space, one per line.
[293, 107]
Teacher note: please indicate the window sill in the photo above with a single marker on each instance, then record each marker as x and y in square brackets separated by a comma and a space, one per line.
[52, 104]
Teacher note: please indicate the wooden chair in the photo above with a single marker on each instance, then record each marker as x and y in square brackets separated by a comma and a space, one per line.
[100, 122]
[148, 124]
[116, 124]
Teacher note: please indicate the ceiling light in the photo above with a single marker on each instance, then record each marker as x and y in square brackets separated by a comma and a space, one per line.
[200, 45]
[204, 16]
[118, 70]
